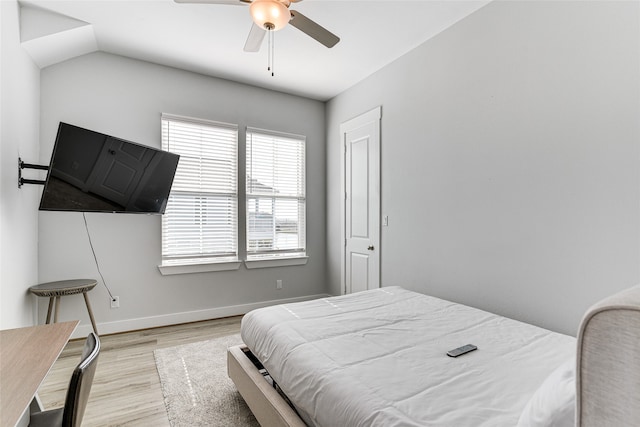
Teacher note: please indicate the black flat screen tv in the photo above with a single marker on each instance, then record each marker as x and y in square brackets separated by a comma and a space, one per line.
[93, 172]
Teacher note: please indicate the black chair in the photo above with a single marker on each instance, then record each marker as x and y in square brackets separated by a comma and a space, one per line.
[77, 394]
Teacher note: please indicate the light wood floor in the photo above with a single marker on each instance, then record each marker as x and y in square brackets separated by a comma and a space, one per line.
[126, 388]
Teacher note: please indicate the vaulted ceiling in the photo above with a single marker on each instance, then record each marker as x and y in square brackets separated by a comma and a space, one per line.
[209, 38]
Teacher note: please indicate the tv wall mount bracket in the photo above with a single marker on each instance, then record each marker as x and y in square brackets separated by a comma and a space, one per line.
[23, 165]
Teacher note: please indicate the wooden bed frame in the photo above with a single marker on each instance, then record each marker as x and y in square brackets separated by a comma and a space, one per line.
[607, 370]
[268, 406]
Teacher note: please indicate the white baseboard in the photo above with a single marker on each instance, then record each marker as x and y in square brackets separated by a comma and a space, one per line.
[185, 317]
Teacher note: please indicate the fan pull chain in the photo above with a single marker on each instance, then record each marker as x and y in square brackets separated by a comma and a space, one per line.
[271, 48]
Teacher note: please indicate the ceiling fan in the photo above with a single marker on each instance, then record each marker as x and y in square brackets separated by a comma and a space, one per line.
[273, 15]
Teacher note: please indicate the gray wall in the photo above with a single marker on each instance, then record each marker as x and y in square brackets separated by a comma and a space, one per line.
[124, 98]
[510, 160]
[19, 128]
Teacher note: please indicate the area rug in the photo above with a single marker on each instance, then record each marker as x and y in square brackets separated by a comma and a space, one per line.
[196, 388]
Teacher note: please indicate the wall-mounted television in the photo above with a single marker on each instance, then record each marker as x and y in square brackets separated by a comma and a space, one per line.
[93, 172]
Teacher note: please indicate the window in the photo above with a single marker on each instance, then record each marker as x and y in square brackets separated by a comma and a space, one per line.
[200, 224]
[276, 203]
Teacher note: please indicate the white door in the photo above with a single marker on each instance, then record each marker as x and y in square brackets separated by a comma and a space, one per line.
[361, 261]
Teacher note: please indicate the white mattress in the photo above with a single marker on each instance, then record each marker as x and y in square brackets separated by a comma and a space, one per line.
[378, 358]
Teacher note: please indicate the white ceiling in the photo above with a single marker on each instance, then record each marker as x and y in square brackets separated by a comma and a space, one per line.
[209, 38]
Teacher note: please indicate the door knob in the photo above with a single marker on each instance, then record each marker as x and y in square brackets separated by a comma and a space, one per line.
[370, 248]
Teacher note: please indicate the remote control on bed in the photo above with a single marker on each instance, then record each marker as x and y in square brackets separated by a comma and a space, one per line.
[461, 350]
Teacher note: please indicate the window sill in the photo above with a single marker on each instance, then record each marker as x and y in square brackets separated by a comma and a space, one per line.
[275, 262]
[170, 269]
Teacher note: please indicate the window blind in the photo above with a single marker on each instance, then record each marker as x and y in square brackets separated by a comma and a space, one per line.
[200, 223]
[276, 203]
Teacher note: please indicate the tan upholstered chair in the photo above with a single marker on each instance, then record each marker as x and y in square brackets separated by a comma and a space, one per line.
[608, 363]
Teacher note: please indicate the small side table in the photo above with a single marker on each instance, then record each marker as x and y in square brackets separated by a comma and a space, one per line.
[55, 290]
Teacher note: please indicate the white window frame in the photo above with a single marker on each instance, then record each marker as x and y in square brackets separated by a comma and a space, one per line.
[275, 257]
[201, 262]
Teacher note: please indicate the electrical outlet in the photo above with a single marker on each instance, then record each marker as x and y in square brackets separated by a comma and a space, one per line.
[278, 284]
[115, 302]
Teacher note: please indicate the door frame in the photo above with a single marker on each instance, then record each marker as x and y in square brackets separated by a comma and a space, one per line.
[373, 115]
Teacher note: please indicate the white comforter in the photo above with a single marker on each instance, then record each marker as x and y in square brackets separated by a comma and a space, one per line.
[378, 358]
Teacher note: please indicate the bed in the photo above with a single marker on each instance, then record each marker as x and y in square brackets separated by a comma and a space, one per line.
[378, 358]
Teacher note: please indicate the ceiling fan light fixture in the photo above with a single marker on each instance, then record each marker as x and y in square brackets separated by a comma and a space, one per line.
[269, 14]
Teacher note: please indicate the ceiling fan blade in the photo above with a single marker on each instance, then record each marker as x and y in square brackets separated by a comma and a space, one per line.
[313, 30]
[231, 2]
[254, 41]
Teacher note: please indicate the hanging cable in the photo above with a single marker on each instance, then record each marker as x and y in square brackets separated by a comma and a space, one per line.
[95, 257]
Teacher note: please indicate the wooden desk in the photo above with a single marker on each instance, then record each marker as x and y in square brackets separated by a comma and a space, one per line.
[26, 356]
